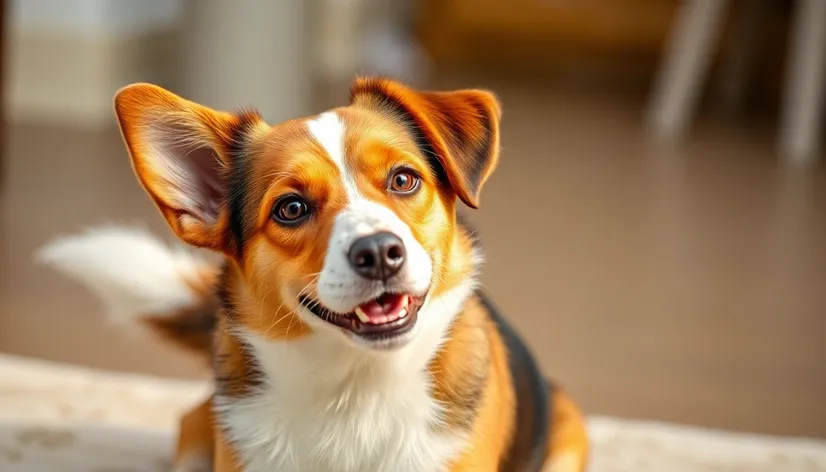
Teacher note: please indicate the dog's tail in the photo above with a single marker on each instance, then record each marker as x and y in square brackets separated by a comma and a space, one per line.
[143, 282]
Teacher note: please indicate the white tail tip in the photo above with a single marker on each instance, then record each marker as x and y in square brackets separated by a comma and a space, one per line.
[132, 272]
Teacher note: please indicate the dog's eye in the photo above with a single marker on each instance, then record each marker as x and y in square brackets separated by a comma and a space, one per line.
[404, 181]
[290, 209]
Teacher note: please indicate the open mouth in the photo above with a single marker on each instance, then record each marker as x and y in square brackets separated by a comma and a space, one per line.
[389, 315]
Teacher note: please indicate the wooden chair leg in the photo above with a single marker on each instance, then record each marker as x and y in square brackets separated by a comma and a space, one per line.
[3, 45]
[687, 59]
[804, 84]
[737, 69]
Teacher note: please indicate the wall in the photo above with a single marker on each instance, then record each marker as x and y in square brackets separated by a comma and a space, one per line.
[67, 58]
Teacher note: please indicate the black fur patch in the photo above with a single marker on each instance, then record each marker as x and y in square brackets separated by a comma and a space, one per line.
[237, 182]
[191, 327]
[251, 375]
[222, 291]
[533, 407]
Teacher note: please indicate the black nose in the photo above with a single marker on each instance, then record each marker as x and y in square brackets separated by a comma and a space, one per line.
[378, 257]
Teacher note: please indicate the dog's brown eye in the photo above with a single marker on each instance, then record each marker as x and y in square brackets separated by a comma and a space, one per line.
[290, 209]
[404, 181]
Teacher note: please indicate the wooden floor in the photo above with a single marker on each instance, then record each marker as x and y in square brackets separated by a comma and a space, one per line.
[683, 285]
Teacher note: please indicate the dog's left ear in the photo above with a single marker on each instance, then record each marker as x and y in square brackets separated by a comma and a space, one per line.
[459, 129]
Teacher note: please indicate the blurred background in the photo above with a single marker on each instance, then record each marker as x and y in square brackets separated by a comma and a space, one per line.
[656, 230]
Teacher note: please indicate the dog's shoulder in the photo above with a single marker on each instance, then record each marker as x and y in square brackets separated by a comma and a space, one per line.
[532, 392]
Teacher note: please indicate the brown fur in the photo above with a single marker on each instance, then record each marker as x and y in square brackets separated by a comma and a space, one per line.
[568, 448]
[192, 327]
[196, 438]
[450, 139]
[476, 347]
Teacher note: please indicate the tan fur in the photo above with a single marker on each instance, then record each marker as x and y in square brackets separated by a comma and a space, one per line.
[471, 376]
[568, 448]
[475, 338]
[196, 438]
[225, 458]
[186, 327]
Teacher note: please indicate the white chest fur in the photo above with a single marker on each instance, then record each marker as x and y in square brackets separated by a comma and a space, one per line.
[375, 418]
[326, 407]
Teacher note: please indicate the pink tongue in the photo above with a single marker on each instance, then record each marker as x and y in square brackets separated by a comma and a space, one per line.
[385, 305]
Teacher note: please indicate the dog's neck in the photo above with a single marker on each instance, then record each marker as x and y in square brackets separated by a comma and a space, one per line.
[366, 402]
[418, 400]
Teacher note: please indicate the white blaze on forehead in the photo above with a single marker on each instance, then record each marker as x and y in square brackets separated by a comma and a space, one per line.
[339, 287]
[328, 130]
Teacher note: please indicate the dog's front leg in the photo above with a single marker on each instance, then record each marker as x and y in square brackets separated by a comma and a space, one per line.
[196, 440]
[226, 460]
[568, 448]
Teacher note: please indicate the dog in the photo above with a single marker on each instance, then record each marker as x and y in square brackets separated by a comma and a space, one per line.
[343, 324]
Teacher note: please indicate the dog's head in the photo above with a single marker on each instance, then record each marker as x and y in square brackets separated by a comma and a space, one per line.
[344, 222]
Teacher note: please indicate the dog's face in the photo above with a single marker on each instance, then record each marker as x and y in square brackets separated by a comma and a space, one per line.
[340, 223]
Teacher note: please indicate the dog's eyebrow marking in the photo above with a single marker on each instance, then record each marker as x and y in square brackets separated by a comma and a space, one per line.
[328, 130]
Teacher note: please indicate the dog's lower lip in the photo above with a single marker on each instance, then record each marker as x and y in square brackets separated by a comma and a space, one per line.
[371, 331]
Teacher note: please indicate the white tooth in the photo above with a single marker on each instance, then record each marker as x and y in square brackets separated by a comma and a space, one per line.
[392, 318]
[361, 315]
[404, 300]
[402, 313]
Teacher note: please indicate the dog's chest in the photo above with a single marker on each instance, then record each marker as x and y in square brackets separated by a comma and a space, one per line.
[367, 422]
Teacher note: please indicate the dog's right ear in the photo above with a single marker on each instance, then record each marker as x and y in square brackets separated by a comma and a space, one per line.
[182, 153]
